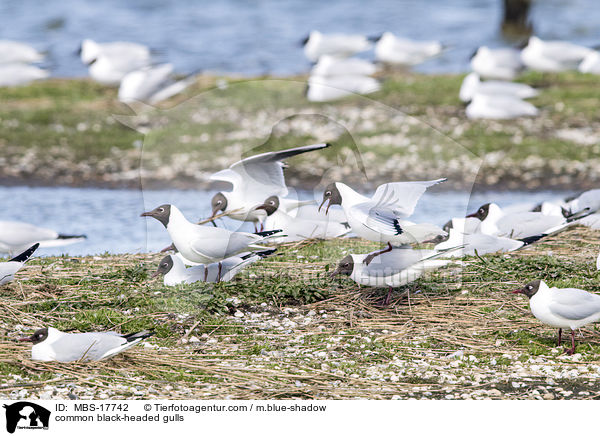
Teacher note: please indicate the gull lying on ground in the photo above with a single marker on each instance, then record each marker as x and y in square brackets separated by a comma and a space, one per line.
[391, 49]
[50, 344]
[553, 56]
[16, 236]
[175, 272]
[317, 44]
[498, 63]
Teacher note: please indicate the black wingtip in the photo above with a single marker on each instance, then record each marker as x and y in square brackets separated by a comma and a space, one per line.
[397, 227]
[531, 239]
[24, 256]
[266, 253]
[71, 236]
[268, 232]
[139, 335]
[375, 38]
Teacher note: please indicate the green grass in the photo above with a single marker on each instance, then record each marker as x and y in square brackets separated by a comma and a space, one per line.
[73, 119]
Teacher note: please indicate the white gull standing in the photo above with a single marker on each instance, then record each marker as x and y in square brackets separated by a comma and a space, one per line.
[205, 244]
[562, 307]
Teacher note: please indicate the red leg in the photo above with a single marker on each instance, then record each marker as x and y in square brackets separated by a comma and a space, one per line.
[219, 272]
[388, 297]
[572, 350]
[205, 273]
[372, 256]
[559, 337]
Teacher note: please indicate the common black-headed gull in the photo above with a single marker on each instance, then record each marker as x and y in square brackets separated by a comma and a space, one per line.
[297, 228]
[8, 269]
[517, 225]
[15, 52]
[20, 74]
[205, 244]
[379, 218]
[590, 64]
[317, 44]
[151, 84]
[391, 49]
[175, 272]
[553, 56]
[254, 179]
[472, 85]
[562, 307]
[16, 236]
[395, 268]
[109, 62]
[334, 66]
[328, 88]
[50, 344]
[497, 63]
[499, 107]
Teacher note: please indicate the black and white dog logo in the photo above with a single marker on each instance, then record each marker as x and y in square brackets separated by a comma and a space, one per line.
[26, 415]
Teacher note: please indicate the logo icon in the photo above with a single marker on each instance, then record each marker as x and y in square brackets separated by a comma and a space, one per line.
[26, 415]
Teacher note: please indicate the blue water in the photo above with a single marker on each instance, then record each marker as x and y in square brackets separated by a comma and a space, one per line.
[111, 218]
[257, 37]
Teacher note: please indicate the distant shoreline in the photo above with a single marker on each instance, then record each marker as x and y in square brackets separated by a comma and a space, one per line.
[64, 133]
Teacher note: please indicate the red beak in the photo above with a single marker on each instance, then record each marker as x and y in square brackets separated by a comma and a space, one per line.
[473, 215]
[328, 204]
[25, 340]
[518, 291]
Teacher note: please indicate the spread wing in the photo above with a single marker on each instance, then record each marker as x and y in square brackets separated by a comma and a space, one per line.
[574, 304]
[401, 197]
[263, 172]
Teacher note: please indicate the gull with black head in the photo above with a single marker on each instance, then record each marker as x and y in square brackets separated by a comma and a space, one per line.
[562, 307]
[254, 179]
[380, 218]
[520, 225]
[175, 272]
[393, 269]
[298, 228]
[50, 344]
[205, 244]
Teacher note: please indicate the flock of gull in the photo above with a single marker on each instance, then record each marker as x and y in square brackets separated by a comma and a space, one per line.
[336, 72]
[207, 253]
